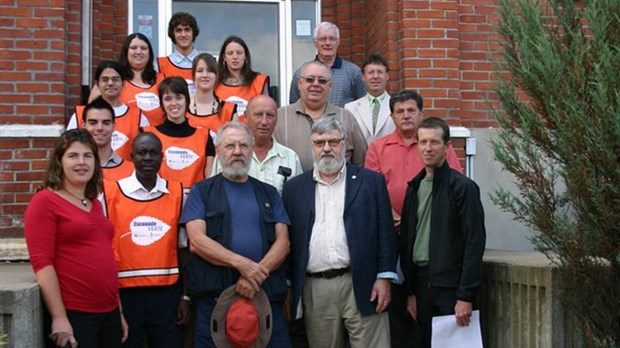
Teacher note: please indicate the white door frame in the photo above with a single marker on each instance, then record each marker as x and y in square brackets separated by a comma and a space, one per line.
[285, 27]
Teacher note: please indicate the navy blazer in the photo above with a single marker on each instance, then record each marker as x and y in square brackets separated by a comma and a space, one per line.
[368, 225]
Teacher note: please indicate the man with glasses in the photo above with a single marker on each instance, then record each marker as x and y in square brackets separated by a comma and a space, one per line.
[295, 120]
[342, 246]
[347, 77]
[128, 118]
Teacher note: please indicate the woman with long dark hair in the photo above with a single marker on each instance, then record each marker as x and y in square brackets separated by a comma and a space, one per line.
[69, 241]
[136, 59]
[238, 82]
[206, 109]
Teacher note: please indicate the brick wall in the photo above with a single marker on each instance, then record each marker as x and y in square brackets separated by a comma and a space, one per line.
[444, 49]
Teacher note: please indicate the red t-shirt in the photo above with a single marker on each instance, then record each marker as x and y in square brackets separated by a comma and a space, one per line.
[78, 244]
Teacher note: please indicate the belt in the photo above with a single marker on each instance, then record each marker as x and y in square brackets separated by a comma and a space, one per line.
[330, 273]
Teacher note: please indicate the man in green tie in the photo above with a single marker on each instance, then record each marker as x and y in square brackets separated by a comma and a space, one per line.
[372, 111]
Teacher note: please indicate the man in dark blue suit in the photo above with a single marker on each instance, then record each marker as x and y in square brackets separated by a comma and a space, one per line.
[343, 252]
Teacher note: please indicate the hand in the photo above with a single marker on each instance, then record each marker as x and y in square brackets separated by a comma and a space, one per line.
[254, 273]
[124, 329]
[396, 220]
[62, 332]
[183, 313]
[287, 304]
[244, 288]
[412, 307]
[381, 293]
[462, 312]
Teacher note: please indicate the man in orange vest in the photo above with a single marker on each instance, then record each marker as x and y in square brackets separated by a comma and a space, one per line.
[128, 118]
[98, 117]
[183, 31]
[145, 211]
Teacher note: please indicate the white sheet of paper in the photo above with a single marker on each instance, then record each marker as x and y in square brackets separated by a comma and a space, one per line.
[447, 334]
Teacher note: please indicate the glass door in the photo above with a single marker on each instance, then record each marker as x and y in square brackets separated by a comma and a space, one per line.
[277, 32]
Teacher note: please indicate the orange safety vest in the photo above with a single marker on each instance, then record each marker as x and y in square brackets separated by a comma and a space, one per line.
[213, 122]
[184, 158]
[240, 95]
[123, 170]
[146, 99]
[126, 128]
[168, 69]
[145, 236]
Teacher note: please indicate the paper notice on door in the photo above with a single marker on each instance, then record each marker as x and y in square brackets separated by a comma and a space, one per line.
[302, 27]
[447, 334]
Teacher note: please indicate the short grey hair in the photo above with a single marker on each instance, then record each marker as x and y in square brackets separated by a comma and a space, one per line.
[234, 125]
[326, 26]
[317, 63]
[329, 123]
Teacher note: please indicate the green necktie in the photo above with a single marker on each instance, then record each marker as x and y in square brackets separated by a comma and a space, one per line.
[375, 114]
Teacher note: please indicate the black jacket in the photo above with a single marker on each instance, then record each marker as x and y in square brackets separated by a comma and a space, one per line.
[457, 236]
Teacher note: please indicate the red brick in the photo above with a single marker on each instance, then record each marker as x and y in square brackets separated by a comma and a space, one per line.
[27, 154]
[39, 164]
[29, 176]
[23, 197]
[16, 54]
[50, 34]
[31, 23]
[14, 208]
[19, 11]
[14, 187]
[33, 87]
[7, 176]
[38, 3]
[32, 65]
[49, 12]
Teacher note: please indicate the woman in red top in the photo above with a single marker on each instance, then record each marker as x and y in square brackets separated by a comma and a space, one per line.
[238, 82]
[206, 110]
[69, 241]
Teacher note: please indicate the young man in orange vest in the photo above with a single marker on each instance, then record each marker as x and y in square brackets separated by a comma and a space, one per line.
[128, 119]
[145, 211]
[98, 120]
[183, 31]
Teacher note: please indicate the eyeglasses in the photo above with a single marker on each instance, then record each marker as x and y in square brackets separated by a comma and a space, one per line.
[327, 39]
[319, 79]
[332, 142]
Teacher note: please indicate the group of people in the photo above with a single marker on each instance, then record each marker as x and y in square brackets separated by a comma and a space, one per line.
[182, 207]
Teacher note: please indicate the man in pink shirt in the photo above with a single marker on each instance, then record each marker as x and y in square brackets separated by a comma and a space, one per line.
[396, 156]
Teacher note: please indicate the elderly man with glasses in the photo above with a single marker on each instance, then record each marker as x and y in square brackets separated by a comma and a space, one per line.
[347, 77]
[296, 120]
[343, 249]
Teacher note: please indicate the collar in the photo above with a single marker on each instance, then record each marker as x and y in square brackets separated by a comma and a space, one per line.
[120, 110]
[177, 58]
[275, 150]
[113, 160]
[341, 175]
[337, 62]
[395, 138]
[379, 98]
[330, 110]
[131, 184]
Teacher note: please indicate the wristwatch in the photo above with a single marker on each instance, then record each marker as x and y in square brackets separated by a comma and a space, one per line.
[186, 298]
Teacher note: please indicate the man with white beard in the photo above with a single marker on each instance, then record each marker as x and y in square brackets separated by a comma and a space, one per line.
[237, 228]
[343, 251]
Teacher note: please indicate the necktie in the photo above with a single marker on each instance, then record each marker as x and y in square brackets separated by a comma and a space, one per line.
[375, 113]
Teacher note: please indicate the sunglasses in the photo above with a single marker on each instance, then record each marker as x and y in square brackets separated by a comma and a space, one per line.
[311, 79]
